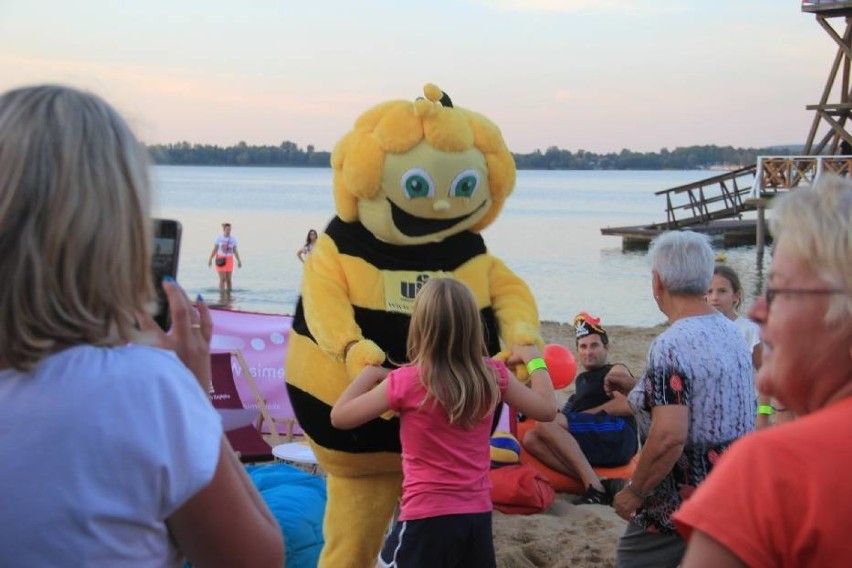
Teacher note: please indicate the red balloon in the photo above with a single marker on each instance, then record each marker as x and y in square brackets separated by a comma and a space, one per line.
[560, 364]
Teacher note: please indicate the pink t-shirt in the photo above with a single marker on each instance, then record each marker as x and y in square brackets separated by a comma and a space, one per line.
[445, 468]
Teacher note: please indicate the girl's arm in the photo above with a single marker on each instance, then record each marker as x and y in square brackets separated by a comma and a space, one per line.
[237, 255]
[539, 401]
[360, 402]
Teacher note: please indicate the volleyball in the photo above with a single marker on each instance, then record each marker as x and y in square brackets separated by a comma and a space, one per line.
[505, 449]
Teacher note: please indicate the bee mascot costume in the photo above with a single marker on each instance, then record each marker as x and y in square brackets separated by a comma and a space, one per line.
[414, 184]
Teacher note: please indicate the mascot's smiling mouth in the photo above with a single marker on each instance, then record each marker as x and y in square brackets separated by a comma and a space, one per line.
[413, 226]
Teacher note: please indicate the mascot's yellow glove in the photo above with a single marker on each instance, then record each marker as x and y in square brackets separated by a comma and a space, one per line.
[522, 334]
[361, 354]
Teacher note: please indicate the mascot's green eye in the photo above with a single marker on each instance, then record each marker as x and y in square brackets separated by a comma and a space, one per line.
[417, 183]
[465, 184]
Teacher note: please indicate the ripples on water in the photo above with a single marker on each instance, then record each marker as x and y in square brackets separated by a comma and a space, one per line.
[548, 233]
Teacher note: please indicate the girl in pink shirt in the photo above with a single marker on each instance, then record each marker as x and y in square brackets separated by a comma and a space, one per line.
[446, 399]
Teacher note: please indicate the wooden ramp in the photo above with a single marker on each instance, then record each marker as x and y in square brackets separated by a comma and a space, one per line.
[713, 205]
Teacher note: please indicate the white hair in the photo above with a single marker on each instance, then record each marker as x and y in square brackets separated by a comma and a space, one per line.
[684, 261]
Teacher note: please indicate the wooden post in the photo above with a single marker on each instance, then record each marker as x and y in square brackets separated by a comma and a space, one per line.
[761, 229]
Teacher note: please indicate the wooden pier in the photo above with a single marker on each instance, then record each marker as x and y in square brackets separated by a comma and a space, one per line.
[715, 205]
[723, 233]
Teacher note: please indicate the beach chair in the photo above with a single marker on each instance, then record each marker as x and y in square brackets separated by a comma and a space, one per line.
[245, 437]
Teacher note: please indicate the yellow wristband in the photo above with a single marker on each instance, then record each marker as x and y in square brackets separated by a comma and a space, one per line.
[535, 365]
[765, 409]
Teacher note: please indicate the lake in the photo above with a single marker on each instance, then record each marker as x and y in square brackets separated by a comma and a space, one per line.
[548, 233]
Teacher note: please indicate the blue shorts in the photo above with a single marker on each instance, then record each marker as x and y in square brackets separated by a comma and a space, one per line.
[441, 542]
[605, 440]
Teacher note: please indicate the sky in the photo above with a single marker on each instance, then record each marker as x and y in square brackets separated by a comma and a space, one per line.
[598, 75]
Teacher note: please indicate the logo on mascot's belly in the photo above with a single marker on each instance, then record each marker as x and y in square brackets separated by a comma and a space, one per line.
[401, 286]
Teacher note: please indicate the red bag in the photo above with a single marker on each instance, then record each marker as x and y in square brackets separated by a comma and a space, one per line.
[520, 489]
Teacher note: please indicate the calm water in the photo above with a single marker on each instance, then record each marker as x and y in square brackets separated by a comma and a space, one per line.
[548, 233]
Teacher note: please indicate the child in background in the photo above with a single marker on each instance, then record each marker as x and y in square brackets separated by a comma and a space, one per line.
[446, 398]
[726, 295]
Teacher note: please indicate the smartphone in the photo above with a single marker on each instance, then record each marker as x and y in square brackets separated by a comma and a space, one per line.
[164, 262]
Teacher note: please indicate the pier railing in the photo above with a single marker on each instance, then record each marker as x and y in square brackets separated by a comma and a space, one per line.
[779, 173]
[718, 197]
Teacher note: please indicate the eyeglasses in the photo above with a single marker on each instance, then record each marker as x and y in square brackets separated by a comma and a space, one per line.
[772, 292]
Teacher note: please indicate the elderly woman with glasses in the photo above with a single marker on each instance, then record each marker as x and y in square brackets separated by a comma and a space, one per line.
[782, 496]
[695, 398]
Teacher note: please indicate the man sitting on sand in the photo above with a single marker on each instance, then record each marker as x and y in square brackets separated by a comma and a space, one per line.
[598, 389]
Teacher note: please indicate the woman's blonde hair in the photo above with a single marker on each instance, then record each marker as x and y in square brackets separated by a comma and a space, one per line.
[395, 127]
[446, 342]
[816, 225]
[74, 224]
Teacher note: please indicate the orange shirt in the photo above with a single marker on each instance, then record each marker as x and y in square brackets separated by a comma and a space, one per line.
[782, 496]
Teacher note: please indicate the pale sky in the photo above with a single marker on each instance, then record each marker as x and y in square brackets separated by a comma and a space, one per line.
[598, 75]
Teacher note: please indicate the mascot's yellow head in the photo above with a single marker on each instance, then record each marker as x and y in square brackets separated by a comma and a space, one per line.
[418, 172]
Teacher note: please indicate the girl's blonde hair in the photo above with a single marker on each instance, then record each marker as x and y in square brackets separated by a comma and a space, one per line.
[74, 224]
[446, 342]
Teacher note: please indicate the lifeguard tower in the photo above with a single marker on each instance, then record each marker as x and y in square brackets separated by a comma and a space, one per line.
[828, 134]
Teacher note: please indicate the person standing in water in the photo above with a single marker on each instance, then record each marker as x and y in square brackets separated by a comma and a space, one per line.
[224, 252]
[310, 243]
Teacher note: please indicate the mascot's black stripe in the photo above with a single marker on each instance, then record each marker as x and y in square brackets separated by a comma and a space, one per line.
[389, 331]
[354, 239]
[314, 416]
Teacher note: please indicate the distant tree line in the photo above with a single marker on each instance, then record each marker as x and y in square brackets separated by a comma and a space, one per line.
[687, 158]
[286, 154]
[289, 154]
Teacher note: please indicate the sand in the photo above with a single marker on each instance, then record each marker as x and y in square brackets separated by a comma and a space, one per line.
[568, 535]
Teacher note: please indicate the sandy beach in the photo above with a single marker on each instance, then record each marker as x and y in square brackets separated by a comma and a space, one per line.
[568, 535]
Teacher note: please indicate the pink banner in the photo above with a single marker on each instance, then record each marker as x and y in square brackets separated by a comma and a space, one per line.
[262, 338]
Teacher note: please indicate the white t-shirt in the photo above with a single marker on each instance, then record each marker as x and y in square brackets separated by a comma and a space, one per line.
[225, 245]
[98, 447]
[749, 330]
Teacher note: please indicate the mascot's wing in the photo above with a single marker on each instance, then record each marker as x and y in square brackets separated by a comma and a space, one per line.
[514, 307]
[325, 298]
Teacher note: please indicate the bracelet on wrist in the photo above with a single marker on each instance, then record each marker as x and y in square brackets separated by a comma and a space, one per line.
[765, 409]
[535, 365]
[635, 491]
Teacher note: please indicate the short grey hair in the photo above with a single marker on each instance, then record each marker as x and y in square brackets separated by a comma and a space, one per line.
[75, 226]
[815, 224]
[684, 260]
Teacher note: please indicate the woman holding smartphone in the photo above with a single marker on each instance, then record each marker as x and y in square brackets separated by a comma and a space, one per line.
[125, 458]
